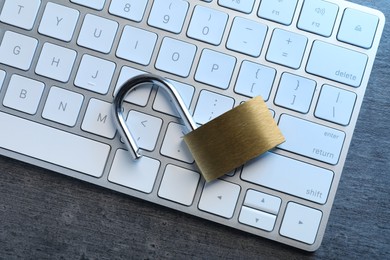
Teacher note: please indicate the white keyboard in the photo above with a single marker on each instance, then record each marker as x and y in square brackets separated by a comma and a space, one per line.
[61, 63]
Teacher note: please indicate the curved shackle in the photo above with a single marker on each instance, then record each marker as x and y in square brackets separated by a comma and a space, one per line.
[137, 81]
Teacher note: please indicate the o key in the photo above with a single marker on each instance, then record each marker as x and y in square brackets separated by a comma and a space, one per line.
[222, 144]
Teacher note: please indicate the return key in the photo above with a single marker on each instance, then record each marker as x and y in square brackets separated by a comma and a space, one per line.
[310, 139]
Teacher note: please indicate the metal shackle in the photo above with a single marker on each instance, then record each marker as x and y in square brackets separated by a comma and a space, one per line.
[130, 85]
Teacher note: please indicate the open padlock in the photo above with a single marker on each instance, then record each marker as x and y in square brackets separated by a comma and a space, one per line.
[218, 146]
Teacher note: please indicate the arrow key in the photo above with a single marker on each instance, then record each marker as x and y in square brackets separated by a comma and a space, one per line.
[257, 218]
[301, 223]
[220, 198]
[262, 201]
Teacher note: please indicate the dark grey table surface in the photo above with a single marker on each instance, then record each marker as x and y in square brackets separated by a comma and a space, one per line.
[47, 215]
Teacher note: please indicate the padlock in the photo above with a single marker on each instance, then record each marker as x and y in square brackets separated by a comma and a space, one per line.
[222, 144]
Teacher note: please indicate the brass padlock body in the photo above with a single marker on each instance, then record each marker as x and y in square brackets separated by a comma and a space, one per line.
[233, 138]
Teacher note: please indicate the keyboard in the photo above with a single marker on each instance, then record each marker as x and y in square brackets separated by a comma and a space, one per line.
[61, 63]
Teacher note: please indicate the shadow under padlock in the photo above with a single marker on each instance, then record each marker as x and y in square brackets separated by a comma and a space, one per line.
[218, 146]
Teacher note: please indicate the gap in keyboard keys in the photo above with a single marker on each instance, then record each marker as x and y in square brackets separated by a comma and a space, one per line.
[2, 77]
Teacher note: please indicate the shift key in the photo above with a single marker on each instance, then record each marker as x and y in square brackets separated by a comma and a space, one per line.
[310, 139]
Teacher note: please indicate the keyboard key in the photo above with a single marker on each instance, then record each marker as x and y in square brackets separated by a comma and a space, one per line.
[17, 50]
[130, 9]
[163, 102]
[97, 33]
[168, 15]
[176, 57]
[183, 193]
[55, 62]
[299, 179]
[174, 146]
[95, 4]
[286, 48]
[220, 198]
[335, 105]
[53, 146]
[136, 45]
[246, 36]
[257, 218]
[207, 25]
[337, 63]
[278, 11]
[95, 74]
[23, 94]
[144, 128]
[261, 201]
[242, 6]
[62, 106]
[20, 13]
[325, 143]
[211, 105]
[98, 119]
[301, 223]
[295, 92]
[358, 28]
[255, 79]
[58, 21]
[215, 69]
[139, 95]
[135, 174]
[2, 77]
[318, 16]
